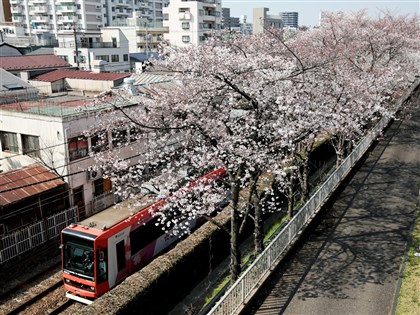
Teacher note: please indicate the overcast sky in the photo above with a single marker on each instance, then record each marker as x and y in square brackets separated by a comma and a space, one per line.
[309, 9]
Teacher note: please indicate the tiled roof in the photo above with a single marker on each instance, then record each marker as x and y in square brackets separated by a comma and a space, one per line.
[32, 62]
[25, 182]
[78, 74]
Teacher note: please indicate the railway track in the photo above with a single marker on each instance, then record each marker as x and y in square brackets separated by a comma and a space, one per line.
[46, 296]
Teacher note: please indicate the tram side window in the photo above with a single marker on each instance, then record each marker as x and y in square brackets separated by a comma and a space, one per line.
[144, 235]
[120, 255]
[101, 254]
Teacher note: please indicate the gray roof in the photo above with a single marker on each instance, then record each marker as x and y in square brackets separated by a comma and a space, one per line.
[42, 51]
[10, 82]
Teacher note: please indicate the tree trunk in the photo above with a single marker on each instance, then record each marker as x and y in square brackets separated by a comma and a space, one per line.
[305, 180]
[258, 227]
[291, 196]
[235, 254]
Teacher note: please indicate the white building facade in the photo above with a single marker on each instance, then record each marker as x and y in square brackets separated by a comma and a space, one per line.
[45, 18]
[192, 22]
[56, 139]
[105, 50]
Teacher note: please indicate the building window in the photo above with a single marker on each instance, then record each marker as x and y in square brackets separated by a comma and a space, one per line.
[185, 25]
[100, 142]
[181, 10]
[125, 57]
[30, 145]
[134, 134]
[9, 141]
[102, 57]
[186, 39]
[201, 12]
[78, 148]
[66, 58]
[115, 58]
[102, 186]
[119, 137]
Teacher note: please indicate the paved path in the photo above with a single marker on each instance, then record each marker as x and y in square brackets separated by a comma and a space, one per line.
[351, 263]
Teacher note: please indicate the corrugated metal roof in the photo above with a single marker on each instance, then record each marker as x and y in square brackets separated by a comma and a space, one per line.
[78, 74]
[25, 182]
[150, 78]
[32, 62]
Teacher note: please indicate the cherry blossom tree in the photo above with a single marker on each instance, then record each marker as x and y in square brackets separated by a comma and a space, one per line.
[255, 105]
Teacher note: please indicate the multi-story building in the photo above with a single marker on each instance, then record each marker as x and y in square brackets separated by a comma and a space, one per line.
[192, 22]
[290, 19]
[46, 18]
[143, 35]
[51, 132]
[261, 20]
[87, 49]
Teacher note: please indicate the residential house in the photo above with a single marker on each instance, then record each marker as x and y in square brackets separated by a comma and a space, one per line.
[14, 89]
[77, 81]
[26, 67]
[30, 194]
[9, 50]
[52, 131]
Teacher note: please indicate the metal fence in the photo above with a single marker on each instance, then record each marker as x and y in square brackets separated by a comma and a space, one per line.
[245, 286]
[36, 234]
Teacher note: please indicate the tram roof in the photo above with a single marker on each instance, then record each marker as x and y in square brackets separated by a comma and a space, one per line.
[111, 216]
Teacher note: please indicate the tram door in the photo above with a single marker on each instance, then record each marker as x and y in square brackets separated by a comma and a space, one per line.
[117, 256]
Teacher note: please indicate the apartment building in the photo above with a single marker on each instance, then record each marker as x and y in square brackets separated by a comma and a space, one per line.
[192, 22]
[290, 19]
[144, 35]
[99, 50]
[45, 18]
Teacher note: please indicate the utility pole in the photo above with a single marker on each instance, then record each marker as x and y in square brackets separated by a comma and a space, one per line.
[147, 39]
[75, 44]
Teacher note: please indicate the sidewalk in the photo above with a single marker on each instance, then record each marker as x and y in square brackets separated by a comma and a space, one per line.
[351, 264]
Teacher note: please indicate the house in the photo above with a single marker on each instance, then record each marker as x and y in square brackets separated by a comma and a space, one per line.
[52, 131]
[26, 67]
[9, 50]
[29, 194]
[83, 82]
[13, 89]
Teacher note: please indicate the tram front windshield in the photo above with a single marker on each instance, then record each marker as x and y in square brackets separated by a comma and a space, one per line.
[78, 256]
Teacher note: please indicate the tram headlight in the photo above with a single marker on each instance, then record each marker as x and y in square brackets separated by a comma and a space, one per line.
[92, 289]
[68, 281]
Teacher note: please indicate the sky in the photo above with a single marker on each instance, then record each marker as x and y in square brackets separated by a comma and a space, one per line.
[309, 9]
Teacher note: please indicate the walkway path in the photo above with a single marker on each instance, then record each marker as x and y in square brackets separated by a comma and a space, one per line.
[351, 263]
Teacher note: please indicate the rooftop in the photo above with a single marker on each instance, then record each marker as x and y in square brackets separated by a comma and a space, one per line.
[25, 182]
[78, 74]
[65, 106]
[32, 62]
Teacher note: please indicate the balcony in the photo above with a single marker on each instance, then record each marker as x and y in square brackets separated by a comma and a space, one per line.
[31, 2]
[122, 3]
[66, 8]
[40, 19]
[65, 19]
[18, 19]
[16, 9]
[39, 9]
[40, 30]
[14, 2]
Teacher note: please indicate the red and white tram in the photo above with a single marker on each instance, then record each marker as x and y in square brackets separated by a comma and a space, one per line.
[104, 249]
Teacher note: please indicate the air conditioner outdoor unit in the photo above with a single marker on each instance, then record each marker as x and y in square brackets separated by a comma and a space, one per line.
[94, 174]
